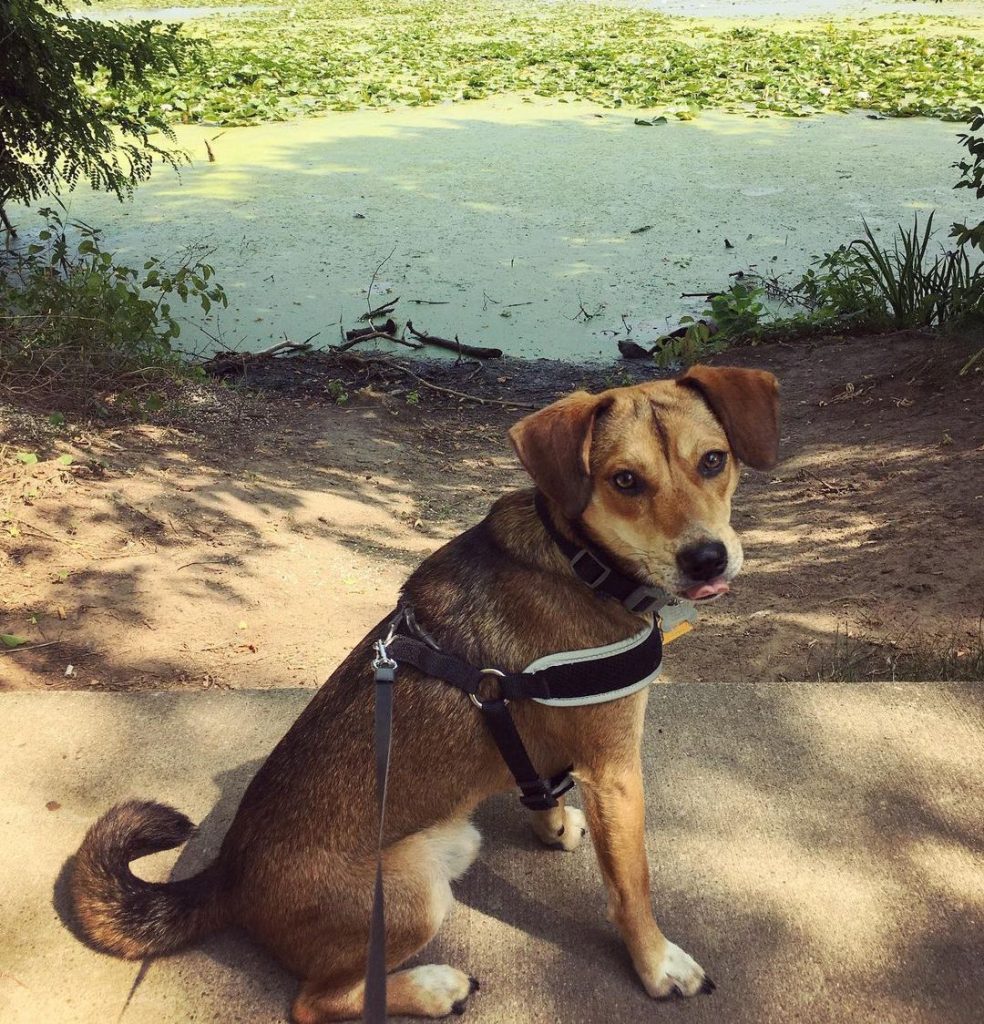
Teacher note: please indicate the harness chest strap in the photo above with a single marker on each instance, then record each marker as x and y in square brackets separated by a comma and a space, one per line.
[565, 678]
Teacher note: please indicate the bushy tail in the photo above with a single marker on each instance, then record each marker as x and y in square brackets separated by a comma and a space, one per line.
[124, 915]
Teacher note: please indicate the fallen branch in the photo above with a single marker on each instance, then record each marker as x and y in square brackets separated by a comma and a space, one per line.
[28, 647]
[476, 351]
[437, 387]
[384, 310]
[362, 333]
[373, 279]
[207, 561]
[370, 335]
[223, 361]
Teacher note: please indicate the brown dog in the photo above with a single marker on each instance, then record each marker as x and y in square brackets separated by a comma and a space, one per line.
[647, 473]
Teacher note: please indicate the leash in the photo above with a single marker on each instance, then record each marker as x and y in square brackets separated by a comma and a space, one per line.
[564, 679]
[384, 675]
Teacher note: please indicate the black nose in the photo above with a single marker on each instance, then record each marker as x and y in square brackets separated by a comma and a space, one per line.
[704, 561]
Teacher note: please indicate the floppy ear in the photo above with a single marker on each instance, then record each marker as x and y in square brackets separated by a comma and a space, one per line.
[554, 445]
[747, 404]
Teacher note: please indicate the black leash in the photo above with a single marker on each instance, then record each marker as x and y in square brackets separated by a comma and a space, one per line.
[384, 670]
[582, 679]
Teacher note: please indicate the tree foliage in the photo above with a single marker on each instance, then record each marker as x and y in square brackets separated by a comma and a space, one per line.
[972, 177]
[72, 99]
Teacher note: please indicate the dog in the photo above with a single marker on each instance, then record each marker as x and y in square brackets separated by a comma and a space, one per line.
[646, 474]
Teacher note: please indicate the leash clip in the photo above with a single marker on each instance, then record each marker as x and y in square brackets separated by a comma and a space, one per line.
[382, 659]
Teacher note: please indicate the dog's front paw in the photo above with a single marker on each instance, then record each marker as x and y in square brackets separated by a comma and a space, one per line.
[436, 990]
[564, 836]
[677, 974]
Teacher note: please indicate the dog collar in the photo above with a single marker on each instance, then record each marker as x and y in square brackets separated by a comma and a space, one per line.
[594, 570]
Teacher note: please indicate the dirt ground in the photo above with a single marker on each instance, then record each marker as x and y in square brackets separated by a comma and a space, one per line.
[252, 536]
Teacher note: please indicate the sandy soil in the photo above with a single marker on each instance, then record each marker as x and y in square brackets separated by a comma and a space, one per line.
[253, 543]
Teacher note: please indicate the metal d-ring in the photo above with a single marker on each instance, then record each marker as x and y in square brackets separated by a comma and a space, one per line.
[486, 672]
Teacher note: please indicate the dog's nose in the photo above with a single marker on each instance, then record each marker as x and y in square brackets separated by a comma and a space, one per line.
[705, 561]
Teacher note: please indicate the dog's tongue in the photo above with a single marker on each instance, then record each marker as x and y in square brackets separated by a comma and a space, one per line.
[705, 590]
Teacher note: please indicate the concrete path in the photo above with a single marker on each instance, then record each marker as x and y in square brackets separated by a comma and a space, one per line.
[820, 848]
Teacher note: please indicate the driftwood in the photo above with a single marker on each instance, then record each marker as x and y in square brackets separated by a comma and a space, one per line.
[224, 362]
[476, 351]
[384, 310]
[630, 350]
[345, 346]
[388, 330]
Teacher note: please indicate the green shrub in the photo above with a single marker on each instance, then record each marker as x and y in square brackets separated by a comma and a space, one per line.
[738, 311]
[696, 342]
[972, 177]
[71, 315]
[898, 284]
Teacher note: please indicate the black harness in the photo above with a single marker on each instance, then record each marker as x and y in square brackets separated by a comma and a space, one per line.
[577, 678]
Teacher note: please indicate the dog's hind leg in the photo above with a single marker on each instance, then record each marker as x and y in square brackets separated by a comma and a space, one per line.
[417, 872]
[561, 827]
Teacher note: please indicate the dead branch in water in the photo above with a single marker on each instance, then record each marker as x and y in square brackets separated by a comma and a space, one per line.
[461, 349]
[384, 310]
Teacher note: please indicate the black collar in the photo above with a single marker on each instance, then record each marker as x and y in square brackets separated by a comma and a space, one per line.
[592, 568]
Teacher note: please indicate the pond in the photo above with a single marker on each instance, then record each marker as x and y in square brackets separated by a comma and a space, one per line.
[686, 8]
[542, 228]
[803, 8]
[165, 13]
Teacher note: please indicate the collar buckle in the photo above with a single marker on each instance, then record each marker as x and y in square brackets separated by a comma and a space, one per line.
[604, 571]
[644, 600]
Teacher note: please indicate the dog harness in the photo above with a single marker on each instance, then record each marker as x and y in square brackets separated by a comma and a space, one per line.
[564, 679]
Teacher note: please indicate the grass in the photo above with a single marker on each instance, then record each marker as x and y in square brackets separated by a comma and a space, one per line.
[933, 659]
[320, 55]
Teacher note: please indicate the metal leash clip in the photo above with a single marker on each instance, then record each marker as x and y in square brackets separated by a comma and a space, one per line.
[382, 659]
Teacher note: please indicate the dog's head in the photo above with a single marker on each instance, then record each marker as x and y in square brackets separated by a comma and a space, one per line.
[647, 472]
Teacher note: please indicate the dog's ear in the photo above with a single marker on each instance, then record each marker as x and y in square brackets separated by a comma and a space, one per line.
[554, 445]
[747, 404]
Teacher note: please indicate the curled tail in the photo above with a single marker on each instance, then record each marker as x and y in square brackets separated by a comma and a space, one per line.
[124, 915]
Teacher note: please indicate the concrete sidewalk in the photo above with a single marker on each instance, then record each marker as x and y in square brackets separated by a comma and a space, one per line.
[819, 848]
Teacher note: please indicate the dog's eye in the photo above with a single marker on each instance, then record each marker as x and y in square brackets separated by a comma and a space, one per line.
[712, 463]
[625, 481]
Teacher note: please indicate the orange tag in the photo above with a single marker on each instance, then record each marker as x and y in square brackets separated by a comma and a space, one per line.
[679, 630]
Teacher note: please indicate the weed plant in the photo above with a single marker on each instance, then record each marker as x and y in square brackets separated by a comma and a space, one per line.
[77, 323]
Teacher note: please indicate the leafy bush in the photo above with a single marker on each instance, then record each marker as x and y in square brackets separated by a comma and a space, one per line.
[900, 284]
[918, 291]
[72, 316]
[738, 311]
[682, 350]
[972, 176]
[73, 104]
